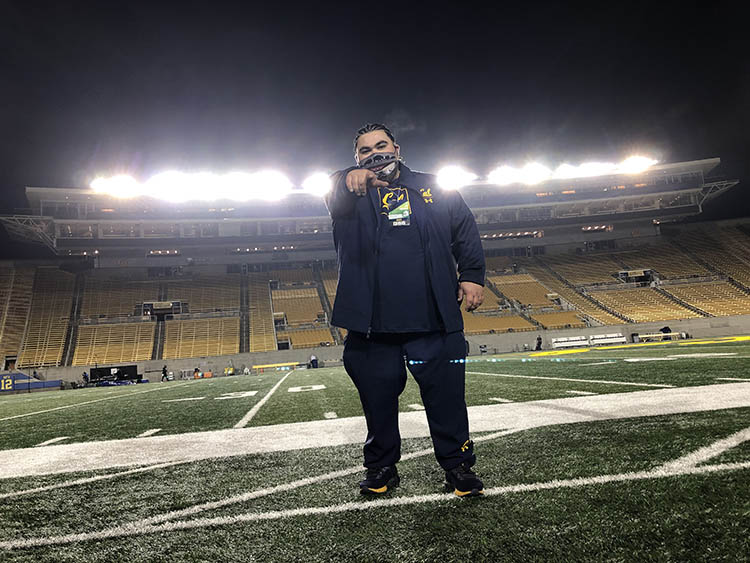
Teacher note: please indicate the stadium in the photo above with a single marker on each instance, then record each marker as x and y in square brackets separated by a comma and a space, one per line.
[607, 376]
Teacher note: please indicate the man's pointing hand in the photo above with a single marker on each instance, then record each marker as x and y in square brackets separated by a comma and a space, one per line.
[357, 181]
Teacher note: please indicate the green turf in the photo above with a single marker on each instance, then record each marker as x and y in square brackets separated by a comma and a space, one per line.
[676, 518]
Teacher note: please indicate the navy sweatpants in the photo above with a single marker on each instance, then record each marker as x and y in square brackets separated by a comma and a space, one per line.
[377, 366]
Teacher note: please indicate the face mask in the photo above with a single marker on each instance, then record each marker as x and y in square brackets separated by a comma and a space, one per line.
[389, 161]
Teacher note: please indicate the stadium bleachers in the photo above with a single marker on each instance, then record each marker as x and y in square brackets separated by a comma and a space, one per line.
[584, 269]
[522, 288]
[486, 324]
[115, 298]
[262, 334]
[202, 337]
[716, 298]
[643, 305]
[44, 338]
[300, 306]
[291, 276]
[15, 302]
[559, 319]
[111, 343]
[728, 256]
[667, 260]
[570, 295]
[307, 338]
[206, 294]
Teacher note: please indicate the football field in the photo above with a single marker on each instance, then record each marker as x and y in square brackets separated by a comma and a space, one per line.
[620, 453]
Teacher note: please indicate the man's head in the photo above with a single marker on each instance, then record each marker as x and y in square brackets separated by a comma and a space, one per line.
[373, 142]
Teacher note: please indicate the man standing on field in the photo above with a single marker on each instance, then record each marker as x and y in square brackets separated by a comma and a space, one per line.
[409, 254]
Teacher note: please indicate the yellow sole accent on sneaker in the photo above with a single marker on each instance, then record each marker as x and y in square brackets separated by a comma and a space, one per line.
[380, 490]
[464, 493]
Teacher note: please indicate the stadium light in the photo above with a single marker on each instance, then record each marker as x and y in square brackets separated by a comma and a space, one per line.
[454, 177]
[535, 173]
[318, 184]
[123, 186]
[636, 164]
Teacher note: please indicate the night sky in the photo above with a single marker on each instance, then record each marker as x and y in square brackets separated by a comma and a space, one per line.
[104, 88]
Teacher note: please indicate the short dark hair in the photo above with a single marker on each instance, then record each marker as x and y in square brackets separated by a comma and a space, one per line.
[369, 127]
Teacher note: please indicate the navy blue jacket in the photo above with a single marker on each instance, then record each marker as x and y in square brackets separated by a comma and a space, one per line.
[449, 234]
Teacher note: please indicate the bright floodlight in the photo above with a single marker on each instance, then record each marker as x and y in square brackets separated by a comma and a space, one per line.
[636, 164]
[118, 186]
[534, 173]
[454, 177]
[270, 185]
[504, 176]
[318, 184]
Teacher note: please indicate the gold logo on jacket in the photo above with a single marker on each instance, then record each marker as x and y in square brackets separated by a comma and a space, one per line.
[426, 194]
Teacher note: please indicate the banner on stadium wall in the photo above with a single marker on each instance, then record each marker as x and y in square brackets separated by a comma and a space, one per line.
[6, 383]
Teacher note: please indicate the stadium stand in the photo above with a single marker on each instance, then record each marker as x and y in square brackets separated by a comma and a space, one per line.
[299, 306]
[499, 264]
[716, 298]
[205, 294]
[111, 298]
[584, 269]
[307, 338]
[262, 333]
[522, 288]
[725, 256]
[15, 302]
[202, 337]
[291, 276]
[668, 261]
[124, 342]
[44, 338]
[570, 295]
[574, 299]
[643, 305]
[486, 324]
[559, 319]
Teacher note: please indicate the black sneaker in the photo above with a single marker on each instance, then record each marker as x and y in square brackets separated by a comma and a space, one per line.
[379, 481]
[463, 482]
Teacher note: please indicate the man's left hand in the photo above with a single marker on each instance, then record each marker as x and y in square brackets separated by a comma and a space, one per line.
[472, 293]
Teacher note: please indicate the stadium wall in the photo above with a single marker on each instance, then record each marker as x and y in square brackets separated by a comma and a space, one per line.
[496, 343]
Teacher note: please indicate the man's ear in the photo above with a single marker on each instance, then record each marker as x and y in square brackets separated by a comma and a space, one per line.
[398, 149]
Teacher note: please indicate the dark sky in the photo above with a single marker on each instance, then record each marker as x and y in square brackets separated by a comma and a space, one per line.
[111, 87]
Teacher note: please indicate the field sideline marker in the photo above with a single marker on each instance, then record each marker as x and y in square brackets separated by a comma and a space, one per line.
[253, 411]
[52, 441]
[148, 433]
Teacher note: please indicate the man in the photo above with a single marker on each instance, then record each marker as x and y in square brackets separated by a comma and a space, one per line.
[400, 240]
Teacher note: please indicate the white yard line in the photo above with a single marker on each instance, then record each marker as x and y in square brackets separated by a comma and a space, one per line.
[231, 442]
[731, 379]
[581, 392]
[87, 480]
[572, 379]
[500, 400]
[704, 454]
[90, 402]
[597, 363]
[52, 441]
[148, 433]
[416, 407]
[244, 497]
[137, 528]
[330, 415]
[253, 411]
[183, 400]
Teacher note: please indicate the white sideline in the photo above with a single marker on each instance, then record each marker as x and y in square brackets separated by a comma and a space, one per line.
[148, 433]
[93, 401]
[101, 455]
[253, 411]
[731, 379]
[244, 497]
[87, 480]
[660, 385]
[711, 451]
[138, 529]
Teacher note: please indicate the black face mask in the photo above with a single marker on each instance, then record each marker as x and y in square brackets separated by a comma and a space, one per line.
[388, 160]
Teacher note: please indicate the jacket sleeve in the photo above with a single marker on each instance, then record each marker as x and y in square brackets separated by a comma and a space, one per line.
[465, 242]
[339, 200]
